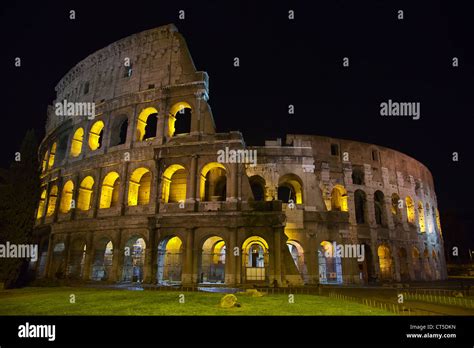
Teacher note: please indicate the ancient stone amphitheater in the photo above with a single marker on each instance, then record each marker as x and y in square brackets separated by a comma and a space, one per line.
[137, 192]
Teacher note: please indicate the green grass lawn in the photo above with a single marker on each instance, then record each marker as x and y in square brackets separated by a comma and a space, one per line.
[56, 301]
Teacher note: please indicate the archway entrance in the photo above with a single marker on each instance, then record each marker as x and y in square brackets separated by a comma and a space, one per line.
[212, 267]
[385, 262]
[255, 259]
[77, 259]
[330, 268]
[297, 254]
[58, 262]
[367, 266]
[170, 261]
[134, 260]
[102, 266]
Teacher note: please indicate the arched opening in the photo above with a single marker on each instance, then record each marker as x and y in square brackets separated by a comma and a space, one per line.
[43, 259]
[110, 191]
[255, 259]
[395, 208]
[62, 147]
[85, 193]
[170, 261]
[404, 266]
[410, 210]
[58, 260]
[139, 187]
[426, 265]
[103, 256]
[66, 197]
[358, 177]
[41, 204]
[290, 188]
[174, 184]
[212, 266]
[119, 131]
[385, 262]
[367, 265]
[179, 119]
[52, 155]
[257, 184]
[416, 261]
[134, 260]
[360, 202]
[77, 257]
[44, 166]
[379, 208]
[421, 217]
[297, 254]
[330, 268]
[146, 124]
[76, 143]
[53, 196]
[339, 198]
[95, 135]
[213, 183]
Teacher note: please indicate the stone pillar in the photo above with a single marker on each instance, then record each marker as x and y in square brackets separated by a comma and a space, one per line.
[410, 263]
[396, 263]
[370, 210]
[277, 254]
[117, 260]
[98, 191]
[161, 126]
[351, 207]
[232, 190]
[187, 276]
[388, 212]
[230, 260]
[48, 272]
[237, 259]
[147, 267]
[191, 182]
[89, 257]
[67, 251]
[196, 126]
[123, 194]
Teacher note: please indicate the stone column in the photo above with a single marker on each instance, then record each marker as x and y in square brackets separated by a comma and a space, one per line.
[89, 257]
[117, 260]
[277, 254]
[187, 276]
[232, 190]
[191, 182]
[48, 272]
[230, 260]
[67, 251]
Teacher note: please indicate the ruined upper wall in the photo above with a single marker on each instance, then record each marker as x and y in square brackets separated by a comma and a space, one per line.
[158, 58]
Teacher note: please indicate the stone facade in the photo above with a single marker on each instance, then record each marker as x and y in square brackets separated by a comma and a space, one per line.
[128, 195]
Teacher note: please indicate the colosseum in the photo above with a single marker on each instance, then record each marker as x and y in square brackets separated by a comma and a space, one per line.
[144, 189]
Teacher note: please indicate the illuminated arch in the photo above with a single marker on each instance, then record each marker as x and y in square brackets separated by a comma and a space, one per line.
[174, 184]
[212, 263]
[172, 117]
[339, 198]
[330, 265]
[66, 197]
[139, 187]
[213, 182]
[103, 257]
[421, 217]
[95, 135]
[76, 143]
[395, 208]
[170, 260]
[297, 254]
[53, 196]
[410, 210]
[293, 184]
[110, 191]
[385, 262]
[134, 260]
[42, 202]
[45, 162]
[146, 127]
[255, 258]
[379, 207]
[52, 155]
[438, 221]
[85, 193]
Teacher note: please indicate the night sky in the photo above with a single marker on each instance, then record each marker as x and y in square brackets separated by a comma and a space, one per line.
[282, 62]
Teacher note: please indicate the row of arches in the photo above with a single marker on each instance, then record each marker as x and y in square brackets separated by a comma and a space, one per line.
[146, 129]
[255, 261]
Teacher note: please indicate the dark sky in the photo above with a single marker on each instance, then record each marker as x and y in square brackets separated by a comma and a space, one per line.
[283, 62]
